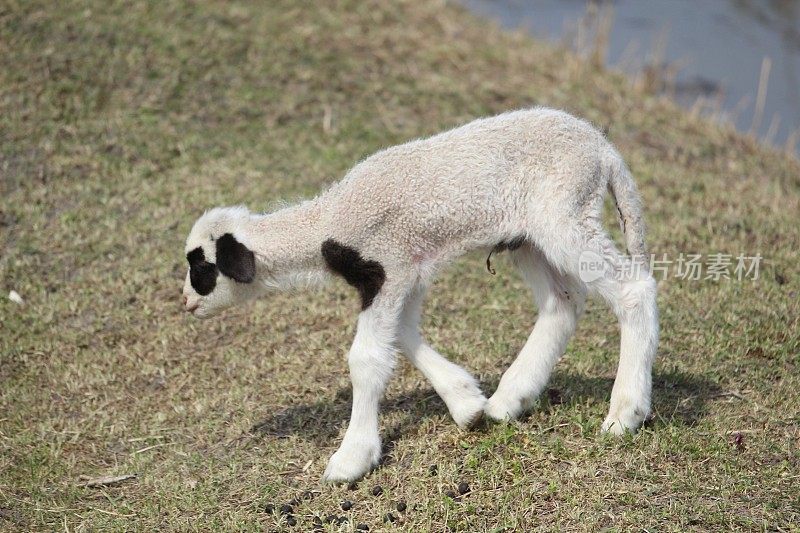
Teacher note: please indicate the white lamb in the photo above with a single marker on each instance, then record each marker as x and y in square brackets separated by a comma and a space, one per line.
[531, 182]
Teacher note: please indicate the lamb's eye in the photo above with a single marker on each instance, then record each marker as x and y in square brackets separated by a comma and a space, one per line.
[202, 274]
[203, 277]
[196, 256]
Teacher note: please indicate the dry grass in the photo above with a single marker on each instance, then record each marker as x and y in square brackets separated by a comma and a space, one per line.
[122, 121]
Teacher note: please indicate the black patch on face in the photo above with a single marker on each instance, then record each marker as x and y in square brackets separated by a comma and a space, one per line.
[365, 275]
[202, 274]
[235, 260]
[502, 246]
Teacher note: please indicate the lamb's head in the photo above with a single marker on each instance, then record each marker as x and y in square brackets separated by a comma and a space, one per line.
[222, 269]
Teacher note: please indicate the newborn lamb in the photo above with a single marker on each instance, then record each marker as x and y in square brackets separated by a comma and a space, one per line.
[530, 182]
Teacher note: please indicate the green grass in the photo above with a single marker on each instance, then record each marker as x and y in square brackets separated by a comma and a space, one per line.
[121, 122]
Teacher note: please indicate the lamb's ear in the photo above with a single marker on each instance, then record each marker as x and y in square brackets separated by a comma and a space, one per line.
[235, 260]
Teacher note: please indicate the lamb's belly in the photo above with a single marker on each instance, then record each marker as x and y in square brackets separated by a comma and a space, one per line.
[452, 230]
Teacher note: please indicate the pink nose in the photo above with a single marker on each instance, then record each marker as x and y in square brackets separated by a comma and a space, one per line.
[186, 304]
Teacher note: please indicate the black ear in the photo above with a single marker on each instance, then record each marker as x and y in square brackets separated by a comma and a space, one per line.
[235, 260]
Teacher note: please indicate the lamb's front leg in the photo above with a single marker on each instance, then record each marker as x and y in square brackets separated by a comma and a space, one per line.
[371, 360]
[456, 386]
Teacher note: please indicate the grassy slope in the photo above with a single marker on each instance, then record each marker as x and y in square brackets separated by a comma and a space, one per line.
[121, 123]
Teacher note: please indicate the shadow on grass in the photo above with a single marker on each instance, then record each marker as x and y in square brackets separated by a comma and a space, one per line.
[677, 398]
[322, 421]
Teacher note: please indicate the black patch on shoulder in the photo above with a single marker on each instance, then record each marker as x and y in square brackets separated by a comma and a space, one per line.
[235, 260]
[502, 246]
[202, 274]
[365, 275]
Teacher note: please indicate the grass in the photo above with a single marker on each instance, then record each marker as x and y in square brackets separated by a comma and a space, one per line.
[121, 122]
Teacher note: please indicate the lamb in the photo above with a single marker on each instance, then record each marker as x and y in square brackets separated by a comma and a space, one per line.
[531, 182]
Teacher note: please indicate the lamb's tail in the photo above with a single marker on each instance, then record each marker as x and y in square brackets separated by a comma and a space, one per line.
[628, 203]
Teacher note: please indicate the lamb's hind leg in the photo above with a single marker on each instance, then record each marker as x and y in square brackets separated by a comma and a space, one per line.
[455, 386]
[630, 290]
[631, 293]
[560, 300]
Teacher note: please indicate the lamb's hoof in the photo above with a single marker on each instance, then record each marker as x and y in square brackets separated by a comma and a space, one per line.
[351, 463]
[468, 411]
[626, 421]
[463, 397]
[503, 409]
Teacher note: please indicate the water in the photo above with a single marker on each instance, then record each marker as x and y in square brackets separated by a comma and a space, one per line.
[718, 47]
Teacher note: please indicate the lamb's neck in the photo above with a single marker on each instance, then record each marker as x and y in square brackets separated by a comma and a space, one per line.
[288, 245]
